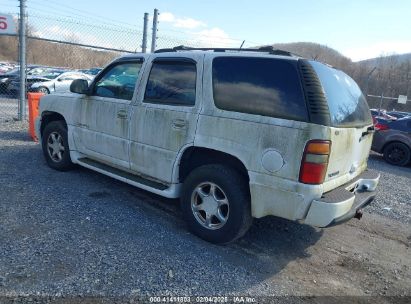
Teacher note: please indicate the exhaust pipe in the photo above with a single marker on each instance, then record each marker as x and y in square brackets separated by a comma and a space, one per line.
[358, 214]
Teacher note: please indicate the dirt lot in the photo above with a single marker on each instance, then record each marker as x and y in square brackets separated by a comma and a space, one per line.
[81, 234]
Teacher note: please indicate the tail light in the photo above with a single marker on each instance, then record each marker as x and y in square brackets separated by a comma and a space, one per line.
[381, 127]
[315, 161]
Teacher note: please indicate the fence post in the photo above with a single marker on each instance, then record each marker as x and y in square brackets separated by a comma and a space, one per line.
[22, 56]
[144, 44]
[379, 108]
[154, 36]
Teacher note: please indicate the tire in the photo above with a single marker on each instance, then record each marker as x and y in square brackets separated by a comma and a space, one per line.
[397, 154]
[228, 208]
[43, 90]
[55, 146]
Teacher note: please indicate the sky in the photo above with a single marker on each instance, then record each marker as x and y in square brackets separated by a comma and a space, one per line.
[358, 29]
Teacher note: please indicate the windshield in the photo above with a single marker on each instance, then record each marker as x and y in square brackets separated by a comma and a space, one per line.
[347, 104]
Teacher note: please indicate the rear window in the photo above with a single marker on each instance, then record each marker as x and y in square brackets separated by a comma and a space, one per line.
[262, 86]
[348, 106]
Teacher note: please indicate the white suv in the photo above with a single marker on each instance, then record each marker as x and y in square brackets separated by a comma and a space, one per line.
[235, 134]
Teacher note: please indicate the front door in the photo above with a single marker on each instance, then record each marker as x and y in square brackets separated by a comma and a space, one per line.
[103, 130]
[164, 118]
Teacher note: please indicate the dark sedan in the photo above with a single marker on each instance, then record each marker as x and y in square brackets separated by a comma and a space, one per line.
[14, 75]
[393, 140]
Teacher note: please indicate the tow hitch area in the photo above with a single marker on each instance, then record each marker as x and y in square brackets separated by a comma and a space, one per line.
[358, 214]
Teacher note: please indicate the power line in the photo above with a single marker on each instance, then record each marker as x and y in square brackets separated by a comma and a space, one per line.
[76, 22]
[81, 13]
[59, 14]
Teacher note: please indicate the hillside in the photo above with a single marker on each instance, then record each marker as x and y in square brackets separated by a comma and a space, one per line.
[402, 58]
[317, 52]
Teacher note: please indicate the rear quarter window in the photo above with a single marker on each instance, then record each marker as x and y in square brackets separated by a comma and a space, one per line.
[262, 86]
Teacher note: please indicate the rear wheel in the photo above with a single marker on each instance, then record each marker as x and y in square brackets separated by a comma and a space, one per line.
[216, 203]
[397, 153]
[55, 146]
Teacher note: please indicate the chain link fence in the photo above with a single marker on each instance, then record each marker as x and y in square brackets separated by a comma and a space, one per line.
[55, 46]
[64, 43]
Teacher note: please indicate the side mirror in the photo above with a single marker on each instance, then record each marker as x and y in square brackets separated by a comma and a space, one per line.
[60, 79]
[79, 86]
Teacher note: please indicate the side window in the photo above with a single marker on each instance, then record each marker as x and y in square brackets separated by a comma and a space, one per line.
[118, 81]
[262, 86]
[172, 82]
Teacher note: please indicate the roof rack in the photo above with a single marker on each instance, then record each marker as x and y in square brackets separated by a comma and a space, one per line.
[263, 49]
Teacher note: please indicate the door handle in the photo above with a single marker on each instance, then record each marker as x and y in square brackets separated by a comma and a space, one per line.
[122, 114]
[179, 124]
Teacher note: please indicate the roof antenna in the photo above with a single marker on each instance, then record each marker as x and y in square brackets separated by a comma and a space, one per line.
[241, 46]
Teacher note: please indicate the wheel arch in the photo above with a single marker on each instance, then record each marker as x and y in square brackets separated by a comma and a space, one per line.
[49, 116]
[195, 156]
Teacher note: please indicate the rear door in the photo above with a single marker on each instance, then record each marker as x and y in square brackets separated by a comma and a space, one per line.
[351, 128]
[164, 119]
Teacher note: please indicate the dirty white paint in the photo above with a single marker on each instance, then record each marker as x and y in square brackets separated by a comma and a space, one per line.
[147, 143]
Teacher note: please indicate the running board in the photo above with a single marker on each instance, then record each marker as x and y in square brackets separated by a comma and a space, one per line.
[170, 191]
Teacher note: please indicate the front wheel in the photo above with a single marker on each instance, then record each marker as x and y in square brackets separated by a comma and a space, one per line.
[43, 90]
[55, 146]
[216, 203]
[397, 153]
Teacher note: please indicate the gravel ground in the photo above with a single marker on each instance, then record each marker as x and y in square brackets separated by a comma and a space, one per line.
[394, 191]
[8, 108]
[80, 234]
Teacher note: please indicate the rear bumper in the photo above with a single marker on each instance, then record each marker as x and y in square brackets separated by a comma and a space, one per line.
[343, 203]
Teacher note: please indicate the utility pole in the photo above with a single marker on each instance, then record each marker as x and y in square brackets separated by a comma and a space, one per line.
[368, 79]
[154, 36]
[144, 44]
[22, 55]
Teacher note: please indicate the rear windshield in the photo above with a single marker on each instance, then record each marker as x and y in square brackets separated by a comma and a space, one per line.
[348, 106]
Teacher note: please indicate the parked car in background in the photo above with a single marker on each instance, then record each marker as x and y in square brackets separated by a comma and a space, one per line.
[6, 78]
[393, 140]
[56, 82]
[6, 67]
[31, 79]
[381, 123]
[14, 77]
[382, 113]
[399, 114]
